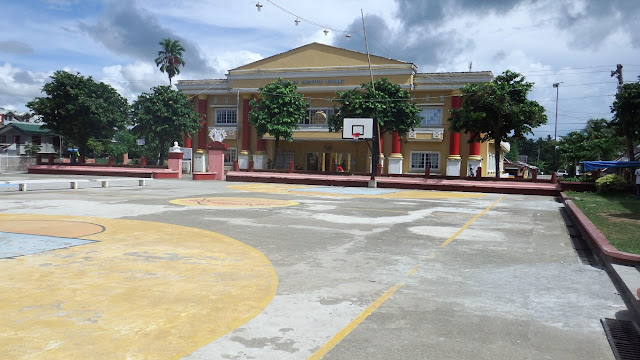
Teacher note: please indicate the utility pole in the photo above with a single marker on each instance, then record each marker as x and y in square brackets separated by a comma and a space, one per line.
[555, 132]
[375, 152]
[625, 125]
[618, 74]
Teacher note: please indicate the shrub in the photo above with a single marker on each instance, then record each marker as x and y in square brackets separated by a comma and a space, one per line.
[32, 149]
[579, 179]
[610, 184]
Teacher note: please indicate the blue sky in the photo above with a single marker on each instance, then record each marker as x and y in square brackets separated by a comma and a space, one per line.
[575, 42]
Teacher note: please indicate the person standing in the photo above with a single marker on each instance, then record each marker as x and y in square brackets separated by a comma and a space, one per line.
[637, 174]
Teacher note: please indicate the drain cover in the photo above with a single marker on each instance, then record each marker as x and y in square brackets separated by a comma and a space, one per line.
[623, 338]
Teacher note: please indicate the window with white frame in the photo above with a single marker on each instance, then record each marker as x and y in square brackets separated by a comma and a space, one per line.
[226, 116]
[230, 155]
[421, 159]
[431, 116]
[317, 117]
[491, 163]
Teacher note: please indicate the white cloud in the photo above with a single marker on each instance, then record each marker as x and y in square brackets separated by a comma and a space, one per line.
[575, 42]
[18, 86]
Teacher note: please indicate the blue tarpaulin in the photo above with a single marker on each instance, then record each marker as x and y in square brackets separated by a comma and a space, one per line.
[596, 165]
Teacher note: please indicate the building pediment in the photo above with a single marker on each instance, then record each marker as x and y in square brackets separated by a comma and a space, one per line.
[318, 57]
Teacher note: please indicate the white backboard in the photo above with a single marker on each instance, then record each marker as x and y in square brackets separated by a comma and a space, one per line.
[363, 126]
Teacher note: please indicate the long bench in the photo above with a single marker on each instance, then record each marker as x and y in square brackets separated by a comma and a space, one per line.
[73, 183]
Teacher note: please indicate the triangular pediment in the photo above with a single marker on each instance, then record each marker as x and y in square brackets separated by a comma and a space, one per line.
[316, 55]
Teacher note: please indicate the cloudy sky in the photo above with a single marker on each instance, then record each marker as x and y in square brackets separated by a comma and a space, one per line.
[573, 42]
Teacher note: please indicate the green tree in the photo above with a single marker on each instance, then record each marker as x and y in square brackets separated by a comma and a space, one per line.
[163, 117]
[514, 154]
[123, 142]
[540, 152]
[80, 109]
[626, 115]
[170, 57]
[390, 105]
[498, 110]
[277, 112]
[597, 141]
[32, 149]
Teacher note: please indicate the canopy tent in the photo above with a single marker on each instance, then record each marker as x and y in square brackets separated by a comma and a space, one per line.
[596, 165]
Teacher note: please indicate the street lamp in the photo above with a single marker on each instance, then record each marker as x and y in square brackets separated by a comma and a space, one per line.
[555, 132]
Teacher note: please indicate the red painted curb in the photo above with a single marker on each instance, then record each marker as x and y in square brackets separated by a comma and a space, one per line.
[597, 238]
[204, 176]
[397, 183]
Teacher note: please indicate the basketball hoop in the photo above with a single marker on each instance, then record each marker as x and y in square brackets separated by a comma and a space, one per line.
[356, 136]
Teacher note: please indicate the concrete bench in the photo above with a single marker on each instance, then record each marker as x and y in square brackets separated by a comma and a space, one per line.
[22, 184]
[73, 183]
[105, 182]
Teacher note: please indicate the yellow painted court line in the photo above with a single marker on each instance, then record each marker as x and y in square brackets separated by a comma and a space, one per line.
[470, 222]
[355, 322]
[413, 271]
[379, 301]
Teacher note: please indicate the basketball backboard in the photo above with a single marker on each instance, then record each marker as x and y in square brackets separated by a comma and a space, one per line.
[361, 126]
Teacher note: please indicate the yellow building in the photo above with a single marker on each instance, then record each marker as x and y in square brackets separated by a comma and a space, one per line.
[319, 71]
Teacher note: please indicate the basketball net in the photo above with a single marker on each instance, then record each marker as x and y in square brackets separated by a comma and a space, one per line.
[356, 136]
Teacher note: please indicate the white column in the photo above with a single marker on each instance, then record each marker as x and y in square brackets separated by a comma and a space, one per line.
[395, 164]
[453, 167]
[259, 161]
[243, 160]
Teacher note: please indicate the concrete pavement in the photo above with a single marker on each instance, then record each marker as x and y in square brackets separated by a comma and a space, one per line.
[361, 274]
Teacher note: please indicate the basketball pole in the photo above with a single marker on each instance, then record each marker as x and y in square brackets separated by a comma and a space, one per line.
[375, 153]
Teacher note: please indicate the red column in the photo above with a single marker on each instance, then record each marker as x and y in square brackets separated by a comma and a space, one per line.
[396, 145]
[381, 143]
[246, 135]
[202, 134]
[454, 137]
[187, 141]
[261, 146]
[474, 149]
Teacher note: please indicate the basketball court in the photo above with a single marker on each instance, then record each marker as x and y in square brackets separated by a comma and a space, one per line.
[221, 270]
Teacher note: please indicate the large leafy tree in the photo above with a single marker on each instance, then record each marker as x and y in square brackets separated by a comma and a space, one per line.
[79, 109]
[626, 115]
[277, 112]
[162, 117]
[596, 141]
[389, 104]
[170, 57]
[498, 110]
[540, 152]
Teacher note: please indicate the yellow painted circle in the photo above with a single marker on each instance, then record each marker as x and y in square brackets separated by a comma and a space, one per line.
[141, 290]
[233, 202]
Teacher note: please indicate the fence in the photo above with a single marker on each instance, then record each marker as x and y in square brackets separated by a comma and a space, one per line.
[15, 164]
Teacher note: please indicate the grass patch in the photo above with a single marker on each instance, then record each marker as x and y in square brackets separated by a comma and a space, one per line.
[617, 216]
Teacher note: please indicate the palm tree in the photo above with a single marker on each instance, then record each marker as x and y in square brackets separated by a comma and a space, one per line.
[170, 57]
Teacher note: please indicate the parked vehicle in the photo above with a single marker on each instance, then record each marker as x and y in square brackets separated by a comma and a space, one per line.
[562, 172]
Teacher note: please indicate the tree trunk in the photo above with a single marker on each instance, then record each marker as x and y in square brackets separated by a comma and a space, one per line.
[630, 149]
[497, 155]
[275, 155]
[161, 155]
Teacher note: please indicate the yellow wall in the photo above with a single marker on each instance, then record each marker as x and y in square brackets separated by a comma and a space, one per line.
[343, 69]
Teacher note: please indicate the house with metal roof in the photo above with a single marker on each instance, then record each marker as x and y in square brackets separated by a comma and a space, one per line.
[16, 136]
